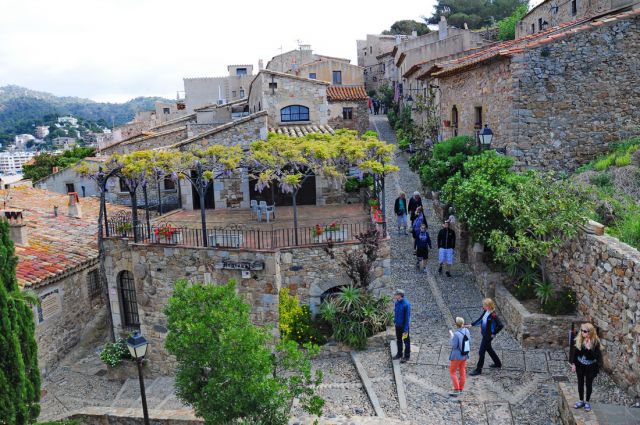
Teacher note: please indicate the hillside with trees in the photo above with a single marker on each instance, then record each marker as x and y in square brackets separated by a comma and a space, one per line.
[475, 13]
[21, 109]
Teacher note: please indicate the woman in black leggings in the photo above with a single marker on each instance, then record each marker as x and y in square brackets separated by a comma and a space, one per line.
[585, 362]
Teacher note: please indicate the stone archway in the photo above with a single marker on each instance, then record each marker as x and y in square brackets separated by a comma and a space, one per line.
[319, 290]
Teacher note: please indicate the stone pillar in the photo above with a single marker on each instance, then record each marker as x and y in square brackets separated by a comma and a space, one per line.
[442, 28]
[18, 231]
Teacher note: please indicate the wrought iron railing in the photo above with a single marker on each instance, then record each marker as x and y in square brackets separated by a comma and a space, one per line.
[239, 236]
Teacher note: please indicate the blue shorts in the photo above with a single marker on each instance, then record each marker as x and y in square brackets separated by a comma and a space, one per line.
[445, 255]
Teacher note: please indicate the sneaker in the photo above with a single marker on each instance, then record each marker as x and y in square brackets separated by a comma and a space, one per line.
[475, 372]
[440, 269]
[425, 270]
[397, 357]
[495, 366]
[579, 405]
[404, 360]
[448, 274]
[587, 407]
[453, 393]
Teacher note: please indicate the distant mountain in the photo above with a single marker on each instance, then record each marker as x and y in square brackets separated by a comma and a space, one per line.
[21, 109]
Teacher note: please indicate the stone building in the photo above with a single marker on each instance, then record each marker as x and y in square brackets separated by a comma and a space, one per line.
[203, 91]
[554, 99]
[58, 259]
[552, 13]
[370, 53]
[331, 70]
[348, 108]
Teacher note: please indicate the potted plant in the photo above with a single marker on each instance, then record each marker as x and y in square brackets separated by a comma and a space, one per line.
[166, 234]
[317, 232]
[124, 228]
[334, 232]
[447, 123]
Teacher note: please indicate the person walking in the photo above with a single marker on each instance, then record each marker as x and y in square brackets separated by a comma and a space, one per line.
[376, 106]
[446, 245]
[460, 347]
[400, 208]
[401, 319]
[370, 106]
[490, 326]
[414, 203]
[421, 246]
[585, 362]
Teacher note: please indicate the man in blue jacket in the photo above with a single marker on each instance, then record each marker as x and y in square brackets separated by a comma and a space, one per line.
[401, 318]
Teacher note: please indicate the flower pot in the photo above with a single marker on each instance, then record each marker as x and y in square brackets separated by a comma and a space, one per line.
[172, 239]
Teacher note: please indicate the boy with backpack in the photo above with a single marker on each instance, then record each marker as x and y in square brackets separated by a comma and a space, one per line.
[460, 347]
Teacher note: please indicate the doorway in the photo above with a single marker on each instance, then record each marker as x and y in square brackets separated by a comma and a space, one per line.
[209, 199]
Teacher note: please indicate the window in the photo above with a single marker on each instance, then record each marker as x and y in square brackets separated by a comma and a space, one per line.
[337, 77]
[241, 71]
[169, 184]
[347, 113]
[70, 187]
[533, 28]
[127, 289]
[574, 7]
[478, 117]
[312, 75]
[294, 113]
[454, 120]
[124, 187]
[273, 85]
[166, 111]
[370, 49]
[93, 284]
[259, 106]
[233, 93]
[241, 92]
[539, 24]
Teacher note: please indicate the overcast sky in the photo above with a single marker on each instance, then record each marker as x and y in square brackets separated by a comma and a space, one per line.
[114, 50]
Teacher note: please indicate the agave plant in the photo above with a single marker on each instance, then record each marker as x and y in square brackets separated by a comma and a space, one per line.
[544, 291]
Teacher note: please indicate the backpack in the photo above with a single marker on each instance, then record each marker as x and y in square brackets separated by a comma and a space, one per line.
[466, 345]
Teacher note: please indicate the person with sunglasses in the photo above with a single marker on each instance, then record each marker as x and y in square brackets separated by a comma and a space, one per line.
[585, 362]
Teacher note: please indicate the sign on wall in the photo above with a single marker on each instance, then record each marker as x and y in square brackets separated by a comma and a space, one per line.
[240, 265]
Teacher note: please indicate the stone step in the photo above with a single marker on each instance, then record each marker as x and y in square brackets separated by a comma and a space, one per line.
[377, 364]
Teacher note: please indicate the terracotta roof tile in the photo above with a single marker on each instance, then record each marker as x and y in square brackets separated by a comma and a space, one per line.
[302, 130]
[338, 93]
[59, 244]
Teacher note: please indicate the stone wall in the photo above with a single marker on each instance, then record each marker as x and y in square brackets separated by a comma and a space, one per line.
[66, 312]
[131, 416]
[605, 274]
[306, 270]
[236, 133]
[323, 69]
[490, 87]
[166, 138]
[360, 120]
[574, 98]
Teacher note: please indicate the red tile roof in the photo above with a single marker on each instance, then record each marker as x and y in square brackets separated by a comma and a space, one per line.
[512, 47]
[57, 245]
[338, 93]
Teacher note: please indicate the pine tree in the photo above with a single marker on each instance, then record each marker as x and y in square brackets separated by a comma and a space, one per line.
[19, 373]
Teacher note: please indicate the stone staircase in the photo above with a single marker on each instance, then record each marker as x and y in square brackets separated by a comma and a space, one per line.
[160, 395]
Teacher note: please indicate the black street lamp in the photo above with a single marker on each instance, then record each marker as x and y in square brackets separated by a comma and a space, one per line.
[138, 348]
[486, 136]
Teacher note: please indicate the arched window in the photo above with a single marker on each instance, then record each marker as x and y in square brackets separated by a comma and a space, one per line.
[294, 113]
[454, 120]
[127, 289]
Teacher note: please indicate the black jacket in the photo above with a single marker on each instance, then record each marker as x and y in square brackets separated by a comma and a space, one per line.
[494, 325]
[396, 206]
[446, 238]
[593, 353]
[413, 205]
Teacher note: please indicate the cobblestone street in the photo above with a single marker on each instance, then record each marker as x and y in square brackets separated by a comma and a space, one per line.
[522, 392]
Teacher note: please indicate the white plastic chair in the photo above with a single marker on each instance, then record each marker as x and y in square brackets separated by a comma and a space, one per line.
[268, 210]
[254, 208]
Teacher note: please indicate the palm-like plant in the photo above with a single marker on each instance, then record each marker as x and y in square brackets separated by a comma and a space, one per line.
[544, 291]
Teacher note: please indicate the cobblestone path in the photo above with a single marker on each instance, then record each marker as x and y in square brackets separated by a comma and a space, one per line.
[522, 392]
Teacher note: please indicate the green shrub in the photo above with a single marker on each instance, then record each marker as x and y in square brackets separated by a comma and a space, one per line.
[352, 184]
[602, 180]
[367, 181]
[370, 133]
[355, 315]
[629, 230]
[507, 26]
[392, 116]
[112, 354]
[623, 160]
[544, 291]
[295, 323]
[604, 163]
[524, 291]
[446, 160]
[403, 144]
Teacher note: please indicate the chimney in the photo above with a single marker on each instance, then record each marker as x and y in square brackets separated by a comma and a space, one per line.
[55, 170]
[442, 28]
[414, 34]
[260, 65]
[74, 205]
[17, 229]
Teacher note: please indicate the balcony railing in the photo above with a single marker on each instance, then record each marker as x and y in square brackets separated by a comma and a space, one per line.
[239, 237]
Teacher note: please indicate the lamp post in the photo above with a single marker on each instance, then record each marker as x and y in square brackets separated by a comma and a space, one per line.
[138, 348]
[486, 136]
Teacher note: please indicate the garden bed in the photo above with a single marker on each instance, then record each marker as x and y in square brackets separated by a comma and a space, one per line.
[533, 329]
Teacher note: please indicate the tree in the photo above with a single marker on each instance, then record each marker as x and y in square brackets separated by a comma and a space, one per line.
[475, 13]
[19, 373]
[226, 368]
[406, 27]
[542, 212]
[447, 158]
[44, 163]
[507, 26]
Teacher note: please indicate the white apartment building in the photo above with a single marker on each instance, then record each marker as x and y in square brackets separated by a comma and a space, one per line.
[68, 120]
[42, 131]
[12, 162]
